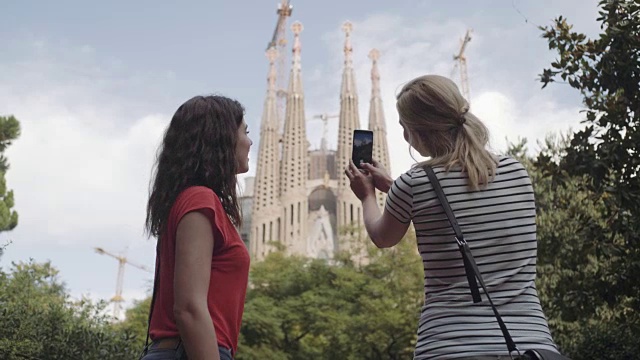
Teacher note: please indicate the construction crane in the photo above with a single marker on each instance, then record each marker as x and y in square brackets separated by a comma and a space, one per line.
[117, 298]
[279, 42]
[461, 62]
[284, 11]
[325, 121]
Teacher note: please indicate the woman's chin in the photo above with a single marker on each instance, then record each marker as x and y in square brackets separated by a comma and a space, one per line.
[243, 168]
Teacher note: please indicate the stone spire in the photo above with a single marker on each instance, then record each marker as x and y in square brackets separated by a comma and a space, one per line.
[349, 207]
[266, 203]
[377, 121]
[295, 158]
[348, 78]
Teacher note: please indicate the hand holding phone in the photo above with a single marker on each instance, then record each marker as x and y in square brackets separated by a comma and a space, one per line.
[362, 151]
[381, 178]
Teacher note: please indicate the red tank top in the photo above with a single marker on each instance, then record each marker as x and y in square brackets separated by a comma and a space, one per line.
[229, 270]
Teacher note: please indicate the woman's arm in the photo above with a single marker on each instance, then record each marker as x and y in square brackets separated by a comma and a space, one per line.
[194, 249]
[383, 228]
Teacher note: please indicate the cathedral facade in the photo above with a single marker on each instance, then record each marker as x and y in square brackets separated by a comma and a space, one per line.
[300, 198]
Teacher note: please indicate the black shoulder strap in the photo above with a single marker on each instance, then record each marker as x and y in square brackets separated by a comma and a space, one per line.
[462, 244]
[470, 266]
[156, 279]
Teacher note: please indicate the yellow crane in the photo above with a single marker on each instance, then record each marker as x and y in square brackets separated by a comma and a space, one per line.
[117, 299]
[279, 42]
[461, 62]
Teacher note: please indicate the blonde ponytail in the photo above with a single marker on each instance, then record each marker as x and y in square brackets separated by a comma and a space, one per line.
[433, 110]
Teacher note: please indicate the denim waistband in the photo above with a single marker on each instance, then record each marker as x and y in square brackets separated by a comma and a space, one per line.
[489, 357]
[179, 353]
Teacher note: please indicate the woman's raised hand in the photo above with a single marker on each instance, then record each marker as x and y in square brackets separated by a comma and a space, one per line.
[381, 178]
[361, 182]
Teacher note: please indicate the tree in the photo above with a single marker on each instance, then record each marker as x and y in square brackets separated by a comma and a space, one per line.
[136, 321]
[571, 264]
[606, 71]
[300, 308]
[9, 131]
[39, 321]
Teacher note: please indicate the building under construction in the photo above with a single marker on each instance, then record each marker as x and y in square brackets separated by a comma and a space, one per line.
[299, 197]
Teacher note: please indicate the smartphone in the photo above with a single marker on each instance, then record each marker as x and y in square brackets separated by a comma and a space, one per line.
[362, 147]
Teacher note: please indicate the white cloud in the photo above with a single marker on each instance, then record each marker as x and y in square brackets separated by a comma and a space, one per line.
[80, 169]
[533, 119]
[71, 176]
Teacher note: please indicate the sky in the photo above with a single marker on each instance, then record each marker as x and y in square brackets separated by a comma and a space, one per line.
[94, 85]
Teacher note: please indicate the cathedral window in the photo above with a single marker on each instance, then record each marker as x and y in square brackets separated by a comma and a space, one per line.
[351, 213]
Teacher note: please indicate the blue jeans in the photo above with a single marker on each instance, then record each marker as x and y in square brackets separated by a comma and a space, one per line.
[179, 354]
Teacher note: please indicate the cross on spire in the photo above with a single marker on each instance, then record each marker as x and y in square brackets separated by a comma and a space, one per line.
[374, 55]
[297, 28]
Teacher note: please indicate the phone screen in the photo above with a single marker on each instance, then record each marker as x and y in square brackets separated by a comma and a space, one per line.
[362, 147]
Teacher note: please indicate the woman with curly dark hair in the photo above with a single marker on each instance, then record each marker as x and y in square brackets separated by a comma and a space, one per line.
[202, 265]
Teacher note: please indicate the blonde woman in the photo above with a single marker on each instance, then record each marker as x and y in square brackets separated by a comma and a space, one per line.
[493, 200]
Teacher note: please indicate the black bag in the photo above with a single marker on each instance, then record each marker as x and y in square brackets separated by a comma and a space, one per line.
[543, 355]
[473, 273]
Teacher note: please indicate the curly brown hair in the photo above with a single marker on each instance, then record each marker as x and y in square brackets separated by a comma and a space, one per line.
[198, 149]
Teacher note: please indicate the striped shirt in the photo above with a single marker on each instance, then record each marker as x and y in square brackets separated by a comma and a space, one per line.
[499, 224]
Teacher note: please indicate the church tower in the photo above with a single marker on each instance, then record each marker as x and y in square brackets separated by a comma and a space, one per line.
[377, 121]
[349, 211]
[301, 198]
[266, 218]
[295, 158]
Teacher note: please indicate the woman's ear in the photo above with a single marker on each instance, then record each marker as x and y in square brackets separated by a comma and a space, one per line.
[415, 142]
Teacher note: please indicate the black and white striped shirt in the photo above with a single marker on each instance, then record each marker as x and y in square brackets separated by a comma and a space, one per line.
[499, 224]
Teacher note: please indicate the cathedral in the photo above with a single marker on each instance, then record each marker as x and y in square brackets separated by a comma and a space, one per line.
[300, 199]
